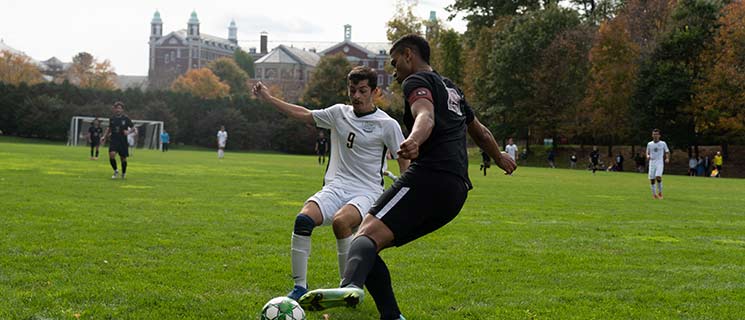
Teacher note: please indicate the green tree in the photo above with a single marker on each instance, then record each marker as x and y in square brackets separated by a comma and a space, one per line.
[229, 72]
[483, 13]
[448, 55]
[403, 22]
[328, 84]
[245, 61]
[665, 88]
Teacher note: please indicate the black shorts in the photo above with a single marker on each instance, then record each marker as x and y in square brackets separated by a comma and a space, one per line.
[95, 142]
[419, 202]
[122, 148]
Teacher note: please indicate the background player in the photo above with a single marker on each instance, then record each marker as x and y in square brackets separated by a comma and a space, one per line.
[511, 149]
[321, 147]
[222, 140]
[354, 177]
[594, 159]
[429, 194]
[117, 131]
[658, 154]
[94, 137]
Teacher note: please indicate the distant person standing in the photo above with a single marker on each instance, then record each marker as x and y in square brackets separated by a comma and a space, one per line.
[132, 140]
[718, 161]
[511, 149]
[594, 159]
[485, 161]
[692, 164]
[573, 161]
[165, 139]
[639, 160]
[551, 158]
[321, 147]
[94, 137]
[118, 128]
[619, 162]
[658, 155]
[222, 140]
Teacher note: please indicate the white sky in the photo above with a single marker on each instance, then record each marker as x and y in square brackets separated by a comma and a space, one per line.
[119, 30]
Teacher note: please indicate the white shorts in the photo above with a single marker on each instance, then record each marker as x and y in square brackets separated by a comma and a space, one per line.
[221, 144]
[330, 199]
[655, 169]
[131, 141]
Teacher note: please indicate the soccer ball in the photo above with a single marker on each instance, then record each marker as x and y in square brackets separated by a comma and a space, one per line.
[282, 308]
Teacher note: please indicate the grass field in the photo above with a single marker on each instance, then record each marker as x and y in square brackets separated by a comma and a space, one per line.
[189, 237]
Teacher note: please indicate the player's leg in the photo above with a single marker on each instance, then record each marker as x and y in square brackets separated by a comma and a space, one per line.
[112, 160]
[97, 146]
[123, 159]
[93, 146]
[345, 223]
[652, 179]
[310, 216]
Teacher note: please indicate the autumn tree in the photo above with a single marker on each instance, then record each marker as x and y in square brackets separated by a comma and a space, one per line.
[16, 69]
[328, 84]
[230, 73]
[605, 112]
[403, 22]
[201, 83]
[87, 72]
[719, 104]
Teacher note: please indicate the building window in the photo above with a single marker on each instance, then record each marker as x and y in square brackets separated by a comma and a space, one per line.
[165, 58]
[380, 80]
[178, 53]
[381, 64]
[390, 79]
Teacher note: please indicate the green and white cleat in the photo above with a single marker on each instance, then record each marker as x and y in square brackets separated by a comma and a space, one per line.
[321, 299]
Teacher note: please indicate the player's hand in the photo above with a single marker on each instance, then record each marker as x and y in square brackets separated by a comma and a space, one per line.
[667, 160]
[409, 149]
[261, 91]
[506, 163]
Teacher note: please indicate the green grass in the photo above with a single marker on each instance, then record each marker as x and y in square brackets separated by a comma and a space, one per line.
[189, 237]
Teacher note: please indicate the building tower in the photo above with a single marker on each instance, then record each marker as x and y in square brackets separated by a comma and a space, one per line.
[347, 33]
[193, 26]
[233, 33]
[263, 43]
[156, 32]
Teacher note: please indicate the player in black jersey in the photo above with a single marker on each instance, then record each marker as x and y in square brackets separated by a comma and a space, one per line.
[118, 128]
[321, 147]
[594, 159]
[429, 194]
[94, 137]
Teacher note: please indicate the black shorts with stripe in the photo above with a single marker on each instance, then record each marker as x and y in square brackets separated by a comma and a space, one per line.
[419, 202]
[120, 147]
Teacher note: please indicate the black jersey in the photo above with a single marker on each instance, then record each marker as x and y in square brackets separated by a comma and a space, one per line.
[594, 156]
[322, 142]
[445, 149]
[118, 125]
[95, 133]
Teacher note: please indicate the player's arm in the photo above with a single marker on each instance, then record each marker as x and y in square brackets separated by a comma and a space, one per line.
[291, 110]
[105, 135]
[424, 120]
[403, 165]
[667, 157]
[485, 140]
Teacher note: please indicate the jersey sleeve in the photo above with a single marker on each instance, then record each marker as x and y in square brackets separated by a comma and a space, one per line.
[416, 88]
[467, 111]
[324, 118]
[393, 137]
[666, 148]
[129, 123]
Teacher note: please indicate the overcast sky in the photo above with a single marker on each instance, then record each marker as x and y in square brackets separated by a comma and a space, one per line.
[119, 30]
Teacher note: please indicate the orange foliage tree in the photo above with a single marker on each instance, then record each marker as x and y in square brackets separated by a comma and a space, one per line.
[201, 83]
[87, 72]
[719, 105]
[16, 69]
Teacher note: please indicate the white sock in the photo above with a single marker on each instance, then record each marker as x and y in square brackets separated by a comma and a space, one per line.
[220, 153]
[342, 251]
[651, 186]
[659, 187]
[300, 253]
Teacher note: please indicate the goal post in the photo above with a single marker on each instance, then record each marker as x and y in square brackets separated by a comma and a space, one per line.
[148, 131]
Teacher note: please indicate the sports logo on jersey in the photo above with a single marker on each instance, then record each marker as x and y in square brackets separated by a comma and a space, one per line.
[421, 93]
[454, 99]
[368, 127]
[656, 149]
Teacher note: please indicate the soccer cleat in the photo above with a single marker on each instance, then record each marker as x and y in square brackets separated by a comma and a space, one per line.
[321, 299]
[297, 292]
[401, 317]
[116, 173]
[659, 196]
[654, 196]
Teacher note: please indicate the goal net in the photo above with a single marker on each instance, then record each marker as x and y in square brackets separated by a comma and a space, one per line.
[148, 132]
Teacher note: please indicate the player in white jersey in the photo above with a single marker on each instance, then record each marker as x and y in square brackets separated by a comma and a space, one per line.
[658, 154]
[222, 140]
[511, 149]
[361, 137]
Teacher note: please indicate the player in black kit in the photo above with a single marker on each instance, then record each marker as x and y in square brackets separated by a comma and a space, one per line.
[94, 137]
[594, 159]
[321, 146]
[429, 194]
[118, 128]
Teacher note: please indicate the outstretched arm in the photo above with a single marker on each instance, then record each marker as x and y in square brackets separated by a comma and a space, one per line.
[424, 120]
[291, 110]
[485, 140]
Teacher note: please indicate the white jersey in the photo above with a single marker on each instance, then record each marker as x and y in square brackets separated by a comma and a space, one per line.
[222, 137]
[358, 146]
[511, 149]
[656, 151]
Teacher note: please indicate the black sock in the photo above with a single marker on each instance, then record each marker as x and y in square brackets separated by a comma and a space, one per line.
[92, 147]
[113, 163]
[379, 285]
[360, 261]
[124, 167]
[96, 153]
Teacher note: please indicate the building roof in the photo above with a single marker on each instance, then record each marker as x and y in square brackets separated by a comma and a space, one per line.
[207, 39]
[193, 19]
[371, 48]
[319, 46]
[156, 18]
[285, 54]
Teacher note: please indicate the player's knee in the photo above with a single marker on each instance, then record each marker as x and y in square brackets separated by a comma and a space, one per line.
[659, 179]
[342, 226]
[304, 225]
